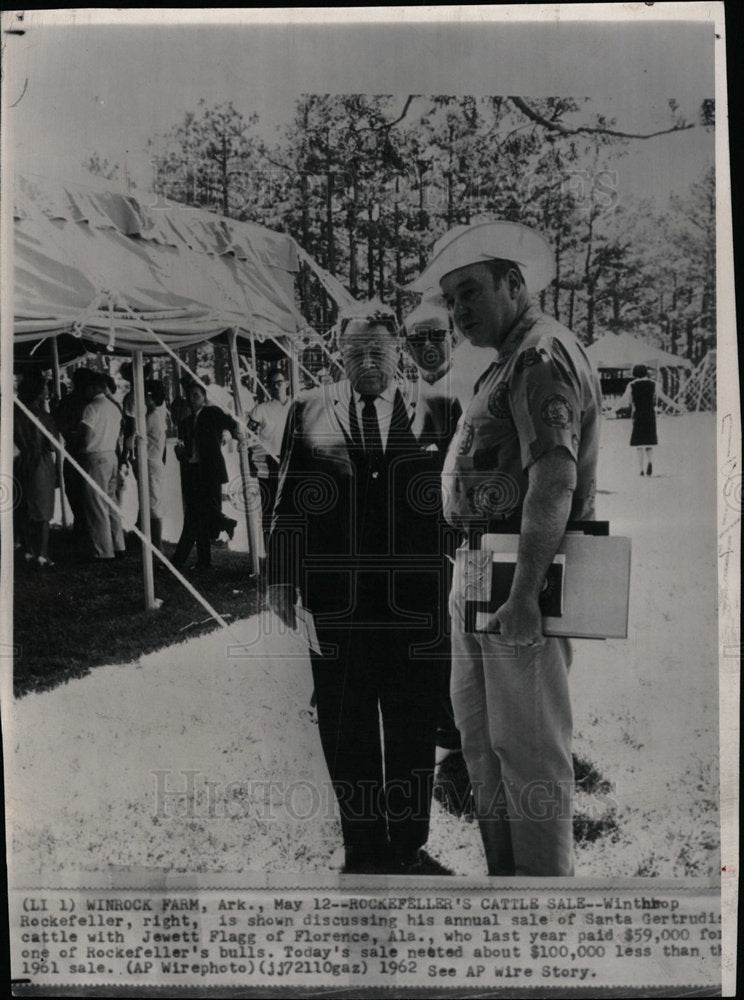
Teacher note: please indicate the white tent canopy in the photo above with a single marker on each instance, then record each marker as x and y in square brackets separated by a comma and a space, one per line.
[622, 350]
[112, 266]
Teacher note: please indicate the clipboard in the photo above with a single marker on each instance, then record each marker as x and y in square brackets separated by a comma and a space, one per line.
[595, 581]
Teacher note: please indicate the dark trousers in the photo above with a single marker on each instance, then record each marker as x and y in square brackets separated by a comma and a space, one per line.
[269, 486]
[75, 489]
[382, 781]
[202, 509]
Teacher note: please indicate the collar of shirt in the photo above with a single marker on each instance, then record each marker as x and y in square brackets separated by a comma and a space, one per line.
[515, 336]
[384, 404]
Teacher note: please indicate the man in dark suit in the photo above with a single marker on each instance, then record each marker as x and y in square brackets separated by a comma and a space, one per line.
[356, 531]
[203, 471]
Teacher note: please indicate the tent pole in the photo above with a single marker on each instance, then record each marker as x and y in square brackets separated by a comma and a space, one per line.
[60, 462]
[143, 483]
[254, 387]
[295, 369]
[251, 489]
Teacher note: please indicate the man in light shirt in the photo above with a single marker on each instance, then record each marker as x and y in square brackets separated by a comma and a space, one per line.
[268, 421]
[101, 425]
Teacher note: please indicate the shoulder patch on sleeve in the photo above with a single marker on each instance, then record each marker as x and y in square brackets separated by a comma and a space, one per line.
[532, 356]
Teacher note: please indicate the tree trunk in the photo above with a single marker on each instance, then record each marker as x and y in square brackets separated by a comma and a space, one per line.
[223, 166]
[352, 238]
[381, 265]
[590, 315]
[398, 259]
[330, 242]
[556, 285]
[422, 221]
[370, 254]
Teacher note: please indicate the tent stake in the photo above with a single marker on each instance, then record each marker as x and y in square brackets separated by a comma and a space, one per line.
[143, 483]
[251, 489]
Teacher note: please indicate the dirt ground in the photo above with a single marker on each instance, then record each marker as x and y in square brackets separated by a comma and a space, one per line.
[204, 756]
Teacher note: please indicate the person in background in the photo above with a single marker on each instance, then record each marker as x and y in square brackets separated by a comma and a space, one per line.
[122, 453]
[642, 395]
[102, 429]
[429, 338]
[267, 421]
[203, 471]
[36, 467]
[155, 423]
[68, 417]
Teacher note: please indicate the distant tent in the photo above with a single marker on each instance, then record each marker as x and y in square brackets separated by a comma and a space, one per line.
[622, 351]
[615, 354]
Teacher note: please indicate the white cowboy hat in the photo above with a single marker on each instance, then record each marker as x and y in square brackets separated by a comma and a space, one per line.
[482, 241]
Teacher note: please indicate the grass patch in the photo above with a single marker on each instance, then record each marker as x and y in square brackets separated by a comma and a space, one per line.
[80, 615]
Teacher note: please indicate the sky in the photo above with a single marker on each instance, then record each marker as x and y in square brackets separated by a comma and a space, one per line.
[82, 88]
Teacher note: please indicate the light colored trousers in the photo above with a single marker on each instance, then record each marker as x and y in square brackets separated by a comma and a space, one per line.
[104, 525]
[156, 483]
[513, 710]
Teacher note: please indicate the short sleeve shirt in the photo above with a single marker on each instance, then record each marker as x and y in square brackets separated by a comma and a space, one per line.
[542, 393]
[271, 417]
[103, 417]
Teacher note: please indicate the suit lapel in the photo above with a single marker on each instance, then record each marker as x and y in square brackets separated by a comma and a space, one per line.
[338, 401]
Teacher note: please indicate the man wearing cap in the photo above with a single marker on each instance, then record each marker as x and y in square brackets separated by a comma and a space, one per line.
[356, 531]
[524, 458]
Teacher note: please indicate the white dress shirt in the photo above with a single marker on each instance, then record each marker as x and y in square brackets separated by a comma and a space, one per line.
[384, 404]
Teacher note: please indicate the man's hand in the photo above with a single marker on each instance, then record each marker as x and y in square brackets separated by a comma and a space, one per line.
[280, 597]
[520, 620]
[552, 479]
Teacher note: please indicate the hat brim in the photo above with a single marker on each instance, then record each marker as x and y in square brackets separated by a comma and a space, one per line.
[491, 241]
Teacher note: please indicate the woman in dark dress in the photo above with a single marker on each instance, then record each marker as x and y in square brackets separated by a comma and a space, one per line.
[641, 395]
[36, 466]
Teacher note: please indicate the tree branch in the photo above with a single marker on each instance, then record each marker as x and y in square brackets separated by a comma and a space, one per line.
[401, 116]
[557, 126]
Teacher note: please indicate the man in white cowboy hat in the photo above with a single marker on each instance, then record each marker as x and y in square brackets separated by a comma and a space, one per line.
[524, 460]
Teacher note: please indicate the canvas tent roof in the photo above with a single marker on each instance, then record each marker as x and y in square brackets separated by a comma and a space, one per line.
[107, 265]
[622, 350]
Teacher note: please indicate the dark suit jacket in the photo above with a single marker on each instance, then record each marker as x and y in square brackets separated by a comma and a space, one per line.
[315, 537]
[210, 424]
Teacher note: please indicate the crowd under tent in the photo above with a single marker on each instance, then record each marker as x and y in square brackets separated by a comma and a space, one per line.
[132, 274]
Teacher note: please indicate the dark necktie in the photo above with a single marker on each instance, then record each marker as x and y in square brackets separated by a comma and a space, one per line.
[371, 427]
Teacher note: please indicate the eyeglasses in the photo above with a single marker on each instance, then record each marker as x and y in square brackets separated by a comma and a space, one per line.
[423, 333]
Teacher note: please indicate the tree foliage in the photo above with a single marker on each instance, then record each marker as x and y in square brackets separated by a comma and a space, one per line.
[368, 183]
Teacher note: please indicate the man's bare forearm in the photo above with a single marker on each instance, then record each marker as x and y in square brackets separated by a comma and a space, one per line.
[546, 510]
